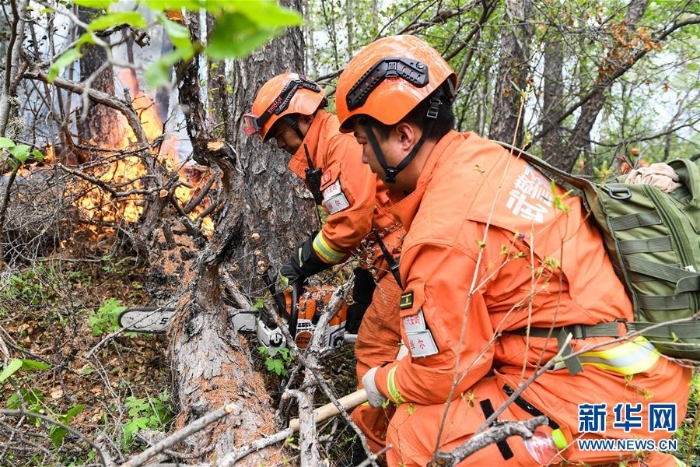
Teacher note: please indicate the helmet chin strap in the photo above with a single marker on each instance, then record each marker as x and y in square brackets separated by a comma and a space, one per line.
[295, 126]
[389, 171]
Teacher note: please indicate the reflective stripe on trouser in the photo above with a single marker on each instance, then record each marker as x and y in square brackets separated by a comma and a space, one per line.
[328, 254]
[628, 358]
[377, 343]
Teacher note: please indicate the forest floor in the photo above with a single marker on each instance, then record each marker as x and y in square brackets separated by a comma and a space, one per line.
[58, 317]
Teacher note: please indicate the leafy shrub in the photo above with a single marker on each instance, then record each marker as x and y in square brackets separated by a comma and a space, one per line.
[105, 319]
[151, 413]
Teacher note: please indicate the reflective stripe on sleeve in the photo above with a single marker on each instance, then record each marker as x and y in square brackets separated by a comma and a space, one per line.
[394, 393]
[328, 254]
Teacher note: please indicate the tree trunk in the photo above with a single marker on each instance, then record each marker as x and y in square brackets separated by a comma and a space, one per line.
[210, 360]
[579, 143]
[513, 74]
[11, 72]
[276, 205]
[349, 16]
[553, 142]
[100, 121]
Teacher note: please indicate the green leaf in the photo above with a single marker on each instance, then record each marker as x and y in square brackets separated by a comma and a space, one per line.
[268, 13]
[38, 155]
[276, 366]
[57, 433]
[179, 34]
[6, 143]
[235, 35]
[158, 73]
[14, 365]
[72, 412]
[163, 5]
[68, 57]
[34, 365]
[86, 38]
[20, 152]
[131, 18]
[98, 4]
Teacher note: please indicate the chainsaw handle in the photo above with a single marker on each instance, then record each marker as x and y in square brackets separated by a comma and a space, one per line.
[294, 318]
[329, 410]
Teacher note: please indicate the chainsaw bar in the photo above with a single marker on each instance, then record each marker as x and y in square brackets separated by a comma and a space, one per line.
[151, 319]
[147, 319]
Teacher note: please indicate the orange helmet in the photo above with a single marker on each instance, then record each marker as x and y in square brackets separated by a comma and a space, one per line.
[389, 78]
[285, 94]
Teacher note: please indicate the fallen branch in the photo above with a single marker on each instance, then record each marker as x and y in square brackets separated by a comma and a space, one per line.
[494, 435]
[105, 459]
[179, 435]
[231, 459]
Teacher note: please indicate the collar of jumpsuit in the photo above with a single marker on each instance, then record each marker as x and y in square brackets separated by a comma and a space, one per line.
[298, 163]
[405, 210]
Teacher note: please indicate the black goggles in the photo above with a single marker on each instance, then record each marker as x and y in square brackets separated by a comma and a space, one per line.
[253, 123]
[413, 71]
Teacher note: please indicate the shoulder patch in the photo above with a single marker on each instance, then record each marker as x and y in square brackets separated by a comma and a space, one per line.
[326, 177]
[406, 300]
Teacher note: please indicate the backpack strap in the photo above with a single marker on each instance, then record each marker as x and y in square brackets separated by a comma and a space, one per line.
[686, 281]
[676, 331]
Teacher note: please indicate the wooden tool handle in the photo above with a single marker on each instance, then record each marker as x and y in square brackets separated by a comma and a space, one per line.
[329, 410]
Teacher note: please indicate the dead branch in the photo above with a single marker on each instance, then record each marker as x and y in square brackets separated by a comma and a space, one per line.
[99, 97]
[231, 458]
[194, 202]
[179, 435]
[479, 441]
[621, 69]
[104, 457]
[308, 436]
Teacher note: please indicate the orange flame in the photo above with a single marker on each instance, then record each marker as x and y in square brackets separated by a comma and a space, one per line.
[126, 172]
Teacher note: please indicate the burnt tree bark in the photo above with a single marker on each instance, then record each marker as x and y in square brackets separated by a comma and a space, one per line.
[210, 360]
[276, 205]
[101, 122]
[513, 73]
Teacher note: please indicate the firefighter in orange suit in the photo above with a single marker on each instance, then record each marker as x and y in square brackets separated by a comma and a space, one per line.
[496, 259]
[290, 109]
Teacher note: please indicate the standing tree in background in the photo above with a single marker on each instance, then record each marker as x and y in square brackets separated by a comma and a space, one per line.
[97, 72]
[513, 75]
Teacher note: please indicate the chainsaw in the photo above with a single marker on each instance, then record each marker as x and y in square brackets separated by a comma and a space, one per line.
[299, 307]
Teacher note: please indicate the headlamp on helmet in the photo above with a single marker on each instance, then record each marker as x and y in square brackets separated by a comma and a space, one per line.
[412, 71]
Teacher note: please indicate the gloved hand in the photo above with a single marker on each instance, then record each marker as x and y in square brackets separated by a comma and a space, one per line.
[303, 263]
[374, 397]
[362, 291]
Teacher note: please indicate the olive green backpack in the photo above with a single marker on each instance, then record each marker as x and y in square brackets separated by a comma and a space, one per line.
[653, 240]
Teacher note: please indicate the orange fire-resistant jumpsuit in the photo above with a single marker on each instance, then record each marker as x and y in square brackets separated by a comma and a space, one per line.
[357, 202]
[490, 250]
